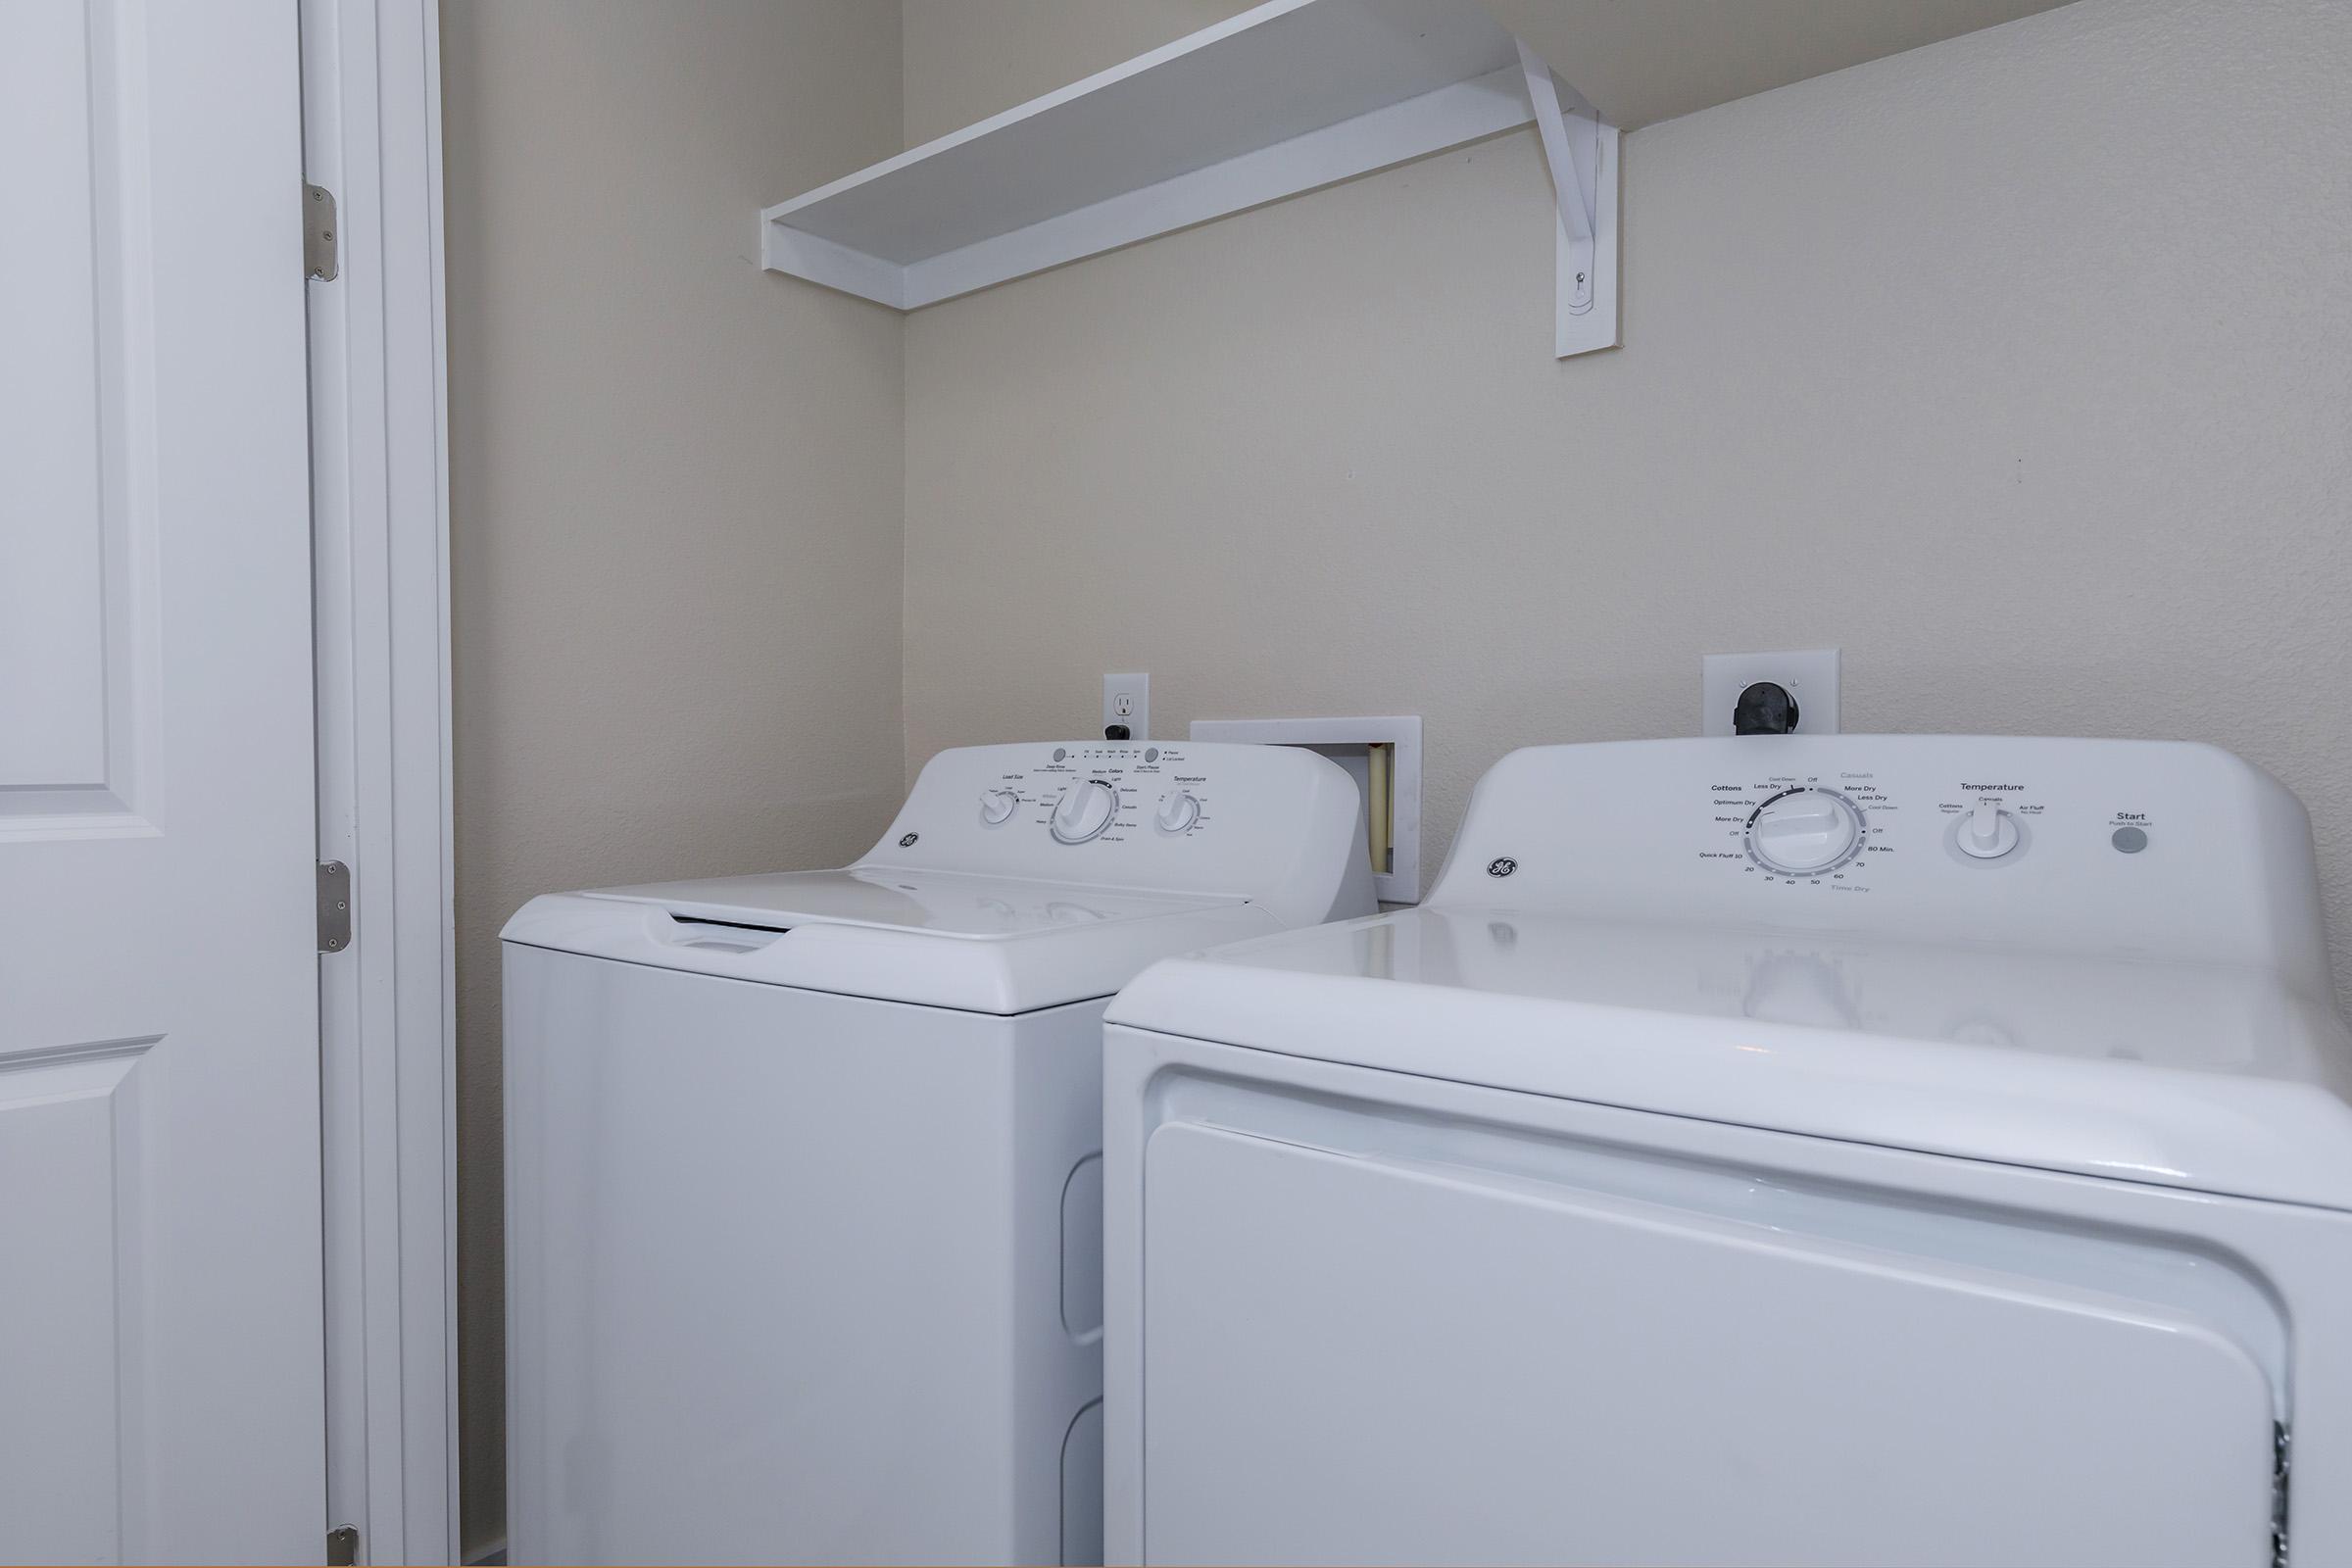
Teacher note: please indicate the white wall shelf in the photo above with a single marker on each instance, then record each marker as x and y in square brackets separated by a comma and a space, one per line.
[1283, 98]
[1296, 94]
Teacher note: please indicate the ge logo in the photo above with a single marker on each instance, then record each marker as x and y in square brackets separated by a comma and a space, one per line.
[1502, 866]
[906, 839]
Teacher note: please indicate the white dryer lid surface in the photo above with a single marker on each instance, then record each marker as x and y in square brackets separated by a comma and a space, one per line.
[2218, 1078]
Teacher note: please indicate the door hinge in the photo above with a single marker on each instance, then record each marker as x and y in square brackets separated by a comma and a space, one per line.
[342, 1546]
[2282, 1462]
[334, 906]
[319, 234]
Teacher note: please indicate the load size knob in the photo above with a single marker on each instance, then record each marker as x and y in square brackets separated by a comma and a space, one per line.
[998, 806]
[1800, 832]
[1084, 811]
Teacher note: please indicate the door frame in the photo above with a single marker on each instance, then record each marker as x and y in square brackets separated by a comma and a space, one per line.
[371, 117]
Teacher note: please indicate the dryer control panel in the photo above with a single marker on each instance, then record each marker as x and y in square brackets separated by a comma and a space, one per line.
[1198, 816]
[2135, 848]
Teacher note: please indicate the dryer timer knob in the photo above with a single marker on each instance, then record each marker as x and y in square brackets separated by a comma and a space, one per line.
[1804, 830]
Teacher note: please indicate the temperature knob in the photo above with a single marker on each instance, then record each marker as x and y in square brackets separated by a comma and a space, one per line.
[1084, 811]
[1798, 832]
[1178, 811]
[998, 806]
[1988, 832]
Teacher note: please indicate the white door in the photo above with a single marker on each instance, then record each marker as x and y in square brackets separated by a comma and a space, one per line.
[161, 1388]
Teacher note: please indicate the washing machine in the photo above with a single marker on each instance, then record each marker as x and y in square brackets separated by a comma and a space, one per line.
[804, 1182]
[1897, 1149]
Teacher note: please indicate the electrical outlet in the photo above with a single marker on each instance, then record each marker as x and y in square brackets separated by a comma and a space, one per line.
[1809, 677]
[1127, 700]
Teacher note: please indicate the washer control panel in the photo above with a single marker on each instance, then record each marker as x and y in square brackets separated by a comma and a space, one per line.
[1081, 793]
[2144, 848]
[1174, 815]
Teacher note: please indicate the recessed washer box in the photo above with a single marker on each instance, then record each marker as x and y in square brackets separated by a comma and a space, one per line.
[1383, 757]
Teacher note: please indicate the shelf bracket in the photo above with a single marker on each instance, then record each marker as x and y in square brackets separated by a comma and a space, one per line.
[1582, 153]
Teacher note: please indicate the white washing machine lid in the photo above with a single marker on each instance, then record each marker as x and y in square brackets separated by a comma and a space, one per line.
[945, 939]
[945, 904]
[1193, 845]
[2216, 1078]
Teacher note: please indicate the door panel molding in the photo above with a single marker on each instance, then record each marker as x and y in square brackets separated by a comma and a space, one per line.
[78, 601]
[25, 1056]
[72, 1155]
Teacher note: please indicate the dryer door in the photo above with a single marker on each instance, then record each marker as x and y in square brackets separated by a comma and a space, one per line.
[1432, 1354]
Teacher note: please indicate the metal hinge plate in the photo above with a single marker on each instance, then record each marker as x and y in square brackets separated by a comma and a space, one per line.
[319, 234]
[334, 906]
[342, 1546]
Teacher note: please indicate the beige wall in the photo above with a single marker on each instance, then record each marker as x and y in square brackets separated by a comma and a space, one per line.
[965, 60]
[676, 500]
[2020, 366]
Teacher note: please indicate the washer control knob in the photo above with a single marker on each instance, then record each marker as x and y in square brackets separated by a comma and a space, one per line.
[998, 806]
[1988, 832]
[1177, 810]
[1084, 811]
[1804, 830]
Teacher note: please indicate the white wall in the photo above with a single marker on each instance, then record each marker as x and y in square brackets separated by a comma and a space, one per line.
[676, 508]
[2020, 366]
